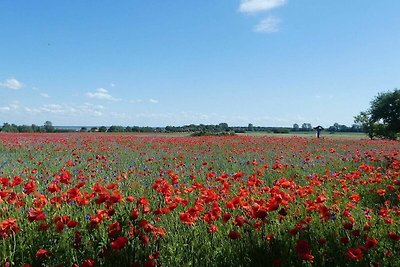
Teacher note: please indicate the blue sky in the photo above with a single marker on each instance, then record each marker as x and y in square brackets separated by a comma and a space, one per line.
[176, 62]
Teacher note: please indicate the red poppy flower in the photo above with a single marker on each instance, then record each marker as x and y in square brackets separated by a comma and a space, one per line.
[394, 236]
[269, 237]
[234, 235]
[226, 217]
[239, 220]
[213, 228]
[261, 213]
[371, 242]
[306, 257]
[344, 240]
[355, 254]
[150, 263]
[42, 253]
[130, 198]
[88, 263]
[348, 226]
[72, 224]
[355, 198]
[29, 187]
[119, 243]
[356, 232]
[36, 215]
[302, 247]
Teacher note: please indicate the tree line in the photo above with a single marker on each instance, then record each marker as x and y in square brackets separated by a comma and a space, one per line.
[13, 128]
[200, 128]
[381, 120]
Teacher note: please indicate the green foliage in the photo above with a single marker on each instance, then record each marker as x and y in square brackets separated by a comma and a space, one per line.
[115, 128]
[102, 129]
[210, 133]
[368, 125]
[383, 117]
[48, 127]
[280, 130]
[9, 128]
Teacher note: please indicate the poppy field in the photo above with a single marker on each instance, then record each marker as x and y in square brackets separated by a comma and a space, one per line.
[93, 199]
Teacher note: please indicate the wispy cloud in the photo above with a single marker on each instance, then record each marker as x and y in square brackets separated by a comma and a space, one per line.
[268, 25]
[14, 106]
[44, 95]
[12, 83]
[252, 6]
[5, 108]
[101, 93]
[67, 110]
[154, 101]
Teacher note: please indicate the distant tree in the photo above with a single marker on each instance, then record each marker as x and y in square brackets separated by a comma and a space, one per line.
[332, 129]
[35, 128]
[147, 129]
[48, 127]
[356, 128]
[24, 129]
[343, 128]
[336, 126]
[223, 126]
[94, 129]
[170, 129]
[296, 127]
[83, 129]
[250, 128]
[9, 128]
[102, 129]
[116, 129]
[135, 129]
[306, 127]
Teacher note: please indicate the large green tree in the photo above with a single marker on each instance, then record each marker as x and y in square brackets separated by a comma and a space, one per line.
[383, 117]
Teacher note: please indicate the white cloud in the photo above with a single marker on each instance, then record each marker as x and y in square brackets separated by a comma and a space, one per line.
[44, 95]
[54, 110]
[134, 101]
[87, 108]
[101, 93]
[122, 116]
[268, 25]
[12, 83]
[66, 110]
[251, 6]
[14, 107]
[154, 101]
